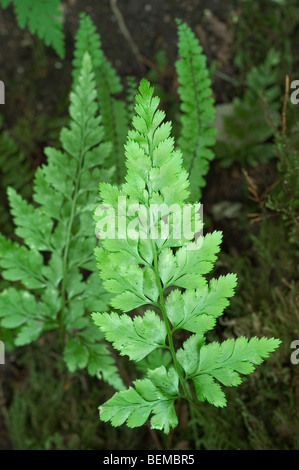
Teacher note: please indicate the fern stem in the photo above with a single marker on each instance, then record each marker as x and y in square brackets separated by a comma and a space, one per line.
[184, 384]
[161, 297]
[168, 328]
[68, 240]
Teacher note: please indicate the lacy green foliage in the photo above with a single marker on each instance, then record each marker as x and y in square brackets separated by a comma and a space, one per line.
[195, 92]
[43, 18]
[250, 129]
[52, 274]
[113, 110]
[168, 279]
[197, 134]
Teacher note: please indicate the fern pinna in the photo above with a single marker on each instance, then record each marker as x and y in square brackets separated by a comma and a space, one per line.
[163, 276]
[53, 273]
[197, 109]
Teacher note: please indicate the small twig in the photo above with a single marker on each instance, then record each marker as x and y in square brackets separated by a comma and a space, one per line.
[255, 217]
[252, 187]
[127, 35]
[256, 197]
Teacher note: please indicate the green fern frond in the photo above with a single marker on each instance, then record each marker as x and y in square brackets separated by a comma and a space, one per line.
[50, 291]
[197, 110]
[166, 276]
[113, 110]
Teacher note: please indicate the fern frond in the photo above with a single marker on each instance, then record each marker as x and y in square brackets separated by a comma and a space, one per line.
[197, 110]
[113, 110]
[58, 226]
[140, 269]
